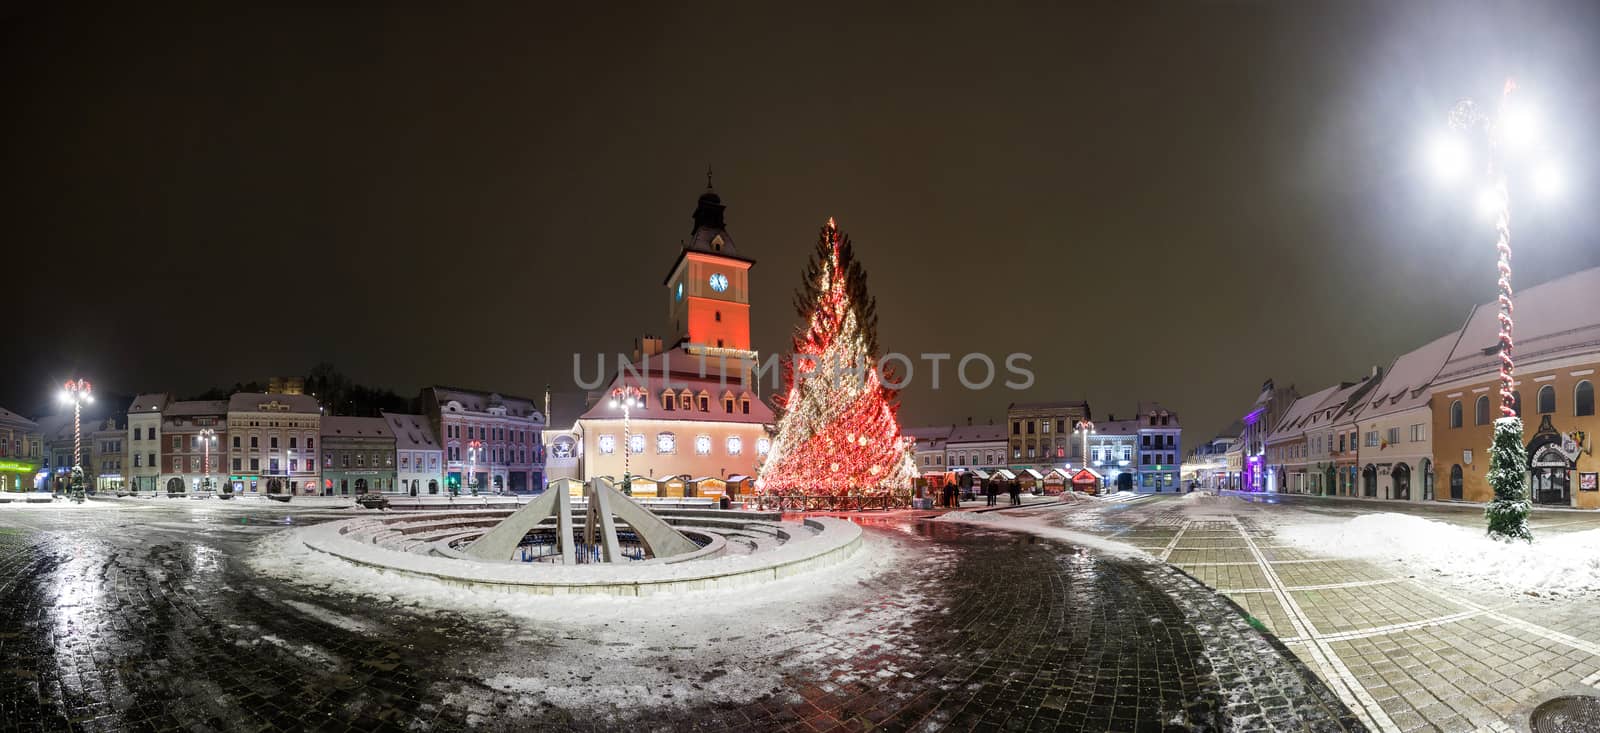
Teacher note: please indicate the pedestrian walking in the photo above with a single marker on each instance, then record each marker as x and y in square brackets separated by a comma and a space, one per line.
[1016, 493]
[991, 489]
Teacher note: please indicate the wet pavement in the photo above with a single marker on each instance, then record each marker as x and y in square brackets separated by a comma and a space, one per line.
[148, 617]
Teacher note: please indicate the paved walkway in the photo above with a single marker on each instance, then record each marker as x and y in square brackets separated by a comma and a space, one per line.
[146, 618]
[1407, 653]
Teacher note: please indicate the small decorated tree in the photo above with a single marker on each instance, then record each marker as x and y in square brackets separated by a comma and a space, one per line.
[837, 430]
[1508, 461]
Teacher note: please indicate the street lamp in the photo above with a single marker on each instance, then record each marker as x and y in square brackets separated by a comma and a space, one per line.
[472, 465]
[1508, 136]
[627, 397]
[206, 436]
[78, 392]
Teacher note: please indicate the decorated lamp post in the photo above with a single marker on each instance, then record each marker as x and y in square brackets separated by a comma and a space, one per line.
[627, 397]
[206, 436]
[472, 465]
[79, 392]
[1499, 141]
[1087, 428]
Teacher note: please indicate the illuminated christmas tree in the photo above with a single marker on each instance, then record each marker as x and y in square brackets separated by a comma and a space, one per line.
[837, 431]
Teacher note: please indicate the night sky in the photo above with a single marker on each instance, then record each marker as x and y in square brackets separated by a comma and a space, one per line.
[1164, 201]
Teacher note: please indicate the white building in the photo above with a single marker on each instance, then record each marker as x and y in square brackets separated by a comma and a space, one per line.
[1114, 453]
[1160, 448]
[1394, 420]
[419, 459]
[976, 447]
[144, 442]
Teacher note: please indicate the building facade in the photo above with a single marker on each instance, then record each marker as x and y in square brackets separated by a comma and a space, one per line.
[976, 447]
[1114, 454]
[272, 443]
[1557, 363]
[419, 459]
[702, 414]
[1247, 458]
[1206, 466]
[492, 442]
[21, 452]
[1160, 448]
[109, 456]
[1322, 432]
[1041, 434]
[144, 442]
[1393, 422]
[193, 434]
[358, 456]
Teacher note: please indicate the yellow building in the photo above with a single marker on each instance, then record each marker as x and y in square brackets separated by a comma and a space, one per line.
[1557, 354]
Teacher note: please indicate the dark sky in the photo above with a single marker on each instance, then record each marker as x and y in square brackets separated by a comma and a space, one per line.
[1167, 201]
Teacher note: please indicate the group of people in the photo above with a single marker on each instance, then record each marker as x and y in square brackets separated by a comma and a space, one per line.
[950, 497]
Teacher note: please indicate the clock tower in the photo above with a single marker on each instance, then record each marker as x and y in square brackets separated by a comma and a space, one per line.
[708, 287]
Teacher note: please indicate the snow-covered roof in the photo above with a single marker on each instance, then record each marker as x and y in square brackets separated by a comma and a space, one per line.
[1552, 319]
[684, 366]
[1117, 427]
[1406, 384]
[355, 427]
[1336, 404]
[1292, 422]
[149, 402]
[977, 434]
[411, 432]
[1147, 409]
[480, 401]
[14, 421]
[195, 407]
[1055, 405]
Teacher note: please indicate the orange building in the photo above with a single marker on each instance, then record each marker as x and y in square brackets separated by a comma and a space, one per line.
[1557, 354]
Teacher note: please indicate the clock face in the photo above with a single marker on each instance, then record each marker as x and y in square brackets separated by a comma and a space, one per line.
[719, 282]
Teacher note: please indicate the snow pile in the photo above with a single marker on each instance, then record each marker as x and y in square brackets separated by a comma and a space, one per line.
[1551, 565]
[44, 501]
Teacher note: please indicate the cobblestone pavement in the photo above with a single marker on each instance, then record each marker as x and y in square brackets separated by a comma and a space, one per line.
[147, 618]
[1407, 653]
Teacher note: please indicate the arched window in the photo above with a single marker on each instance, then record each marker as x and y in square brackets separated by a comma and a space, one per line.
[1483, 410]
[1583, 399]
[1455, 414]
[1547, 400]
[1455, 481]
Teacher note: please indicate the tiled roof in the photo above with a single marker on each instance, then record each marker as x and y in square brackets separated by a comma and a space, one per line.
[1406, 384]
[711, 384]
[355, 427]
[411, 432]
[1552, 318]
[1293, 421]
[9, 419]
[977, 434]
[196, 407]
[252, 402]
[480, 401]
[149, 402]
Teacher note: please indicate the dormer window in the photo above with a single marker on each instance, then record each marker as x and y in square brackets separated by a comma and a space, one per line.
[667, 398]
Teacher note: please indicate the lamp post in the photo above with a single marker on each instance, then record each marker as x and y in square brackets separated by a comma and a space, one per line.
[1087, 428]
[472, 465]
[1500, 140]
[78, 392]
[206, 436]
[627, 397]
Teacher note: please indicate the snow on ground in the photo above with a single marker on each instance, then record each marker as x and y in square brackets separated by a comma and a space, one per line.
[43, 501]
[1552, 565]
[617, 657]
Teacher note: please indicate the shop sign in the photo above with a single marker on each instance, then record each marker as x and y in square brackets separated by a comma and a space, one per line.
[16, 466]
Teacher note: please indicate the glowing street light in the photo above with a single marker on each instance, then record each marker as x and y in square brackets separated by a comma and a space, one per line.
[627, 397]
[1510, 136]
[206, 436]
[1087, 428]
[79, 392]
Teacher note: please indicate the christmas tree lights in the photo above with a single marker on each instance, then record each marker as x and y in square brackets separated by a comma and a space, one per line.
[837, 428]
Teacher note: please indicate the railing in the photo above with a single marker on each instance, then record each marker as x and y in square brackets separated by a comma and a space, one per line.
[846, 503]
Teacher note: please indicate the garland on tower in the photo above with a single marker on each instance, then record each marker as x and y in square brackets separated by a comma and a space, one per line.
[837, 430]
